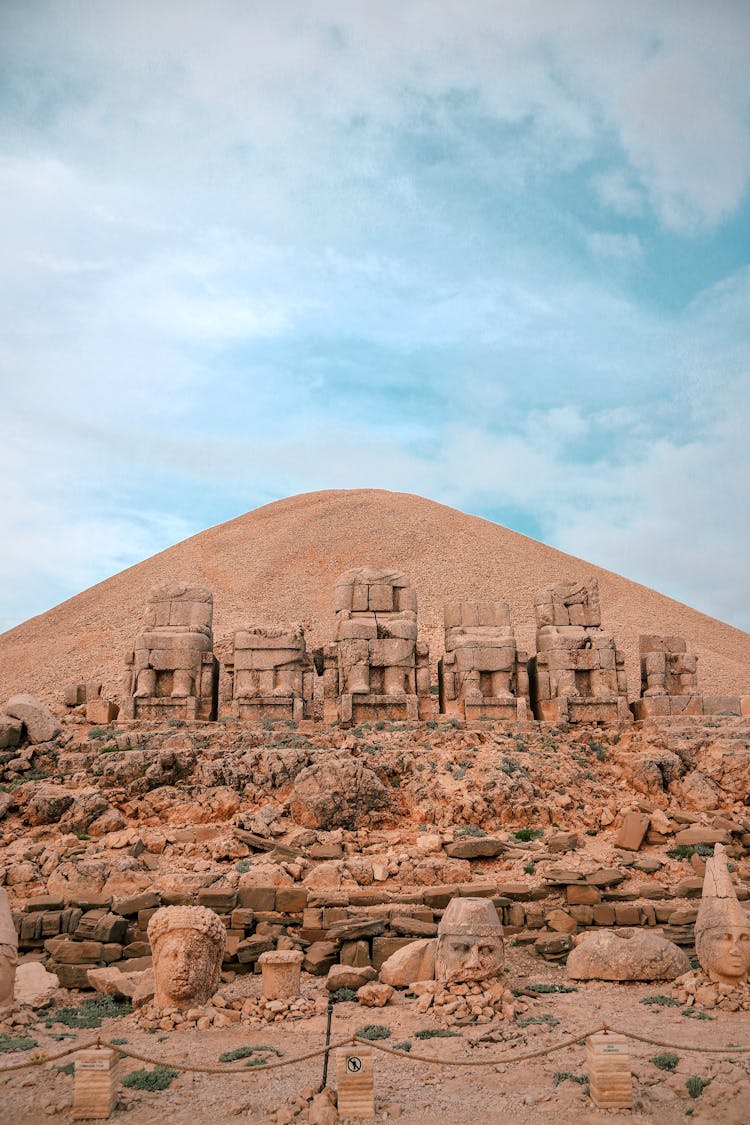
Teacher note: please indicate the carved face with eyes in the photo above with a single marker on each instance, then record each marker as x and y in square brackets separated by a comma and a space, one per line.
[470, 942]
[725, 954]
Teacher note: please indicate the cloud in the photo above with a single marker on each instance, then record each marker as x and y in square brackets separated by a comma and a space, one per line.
[624, 247]
[252, 252]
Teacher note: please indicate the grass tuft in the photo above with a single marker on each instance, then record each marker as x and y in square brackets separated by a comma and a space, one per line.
[667, 1060]
[373, 1031]
[160, 1078]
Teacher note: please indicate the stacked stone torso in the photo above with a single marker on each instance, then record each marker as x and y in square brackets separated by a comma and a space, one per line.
[375, 668]
[669, 682]
[482, 674]
[669, 678]
[269, 674]
[578, 674]
[171, 671]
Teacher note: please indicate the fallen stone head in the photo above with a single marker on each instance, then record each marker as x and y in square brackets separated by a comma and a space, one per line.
[188, 944]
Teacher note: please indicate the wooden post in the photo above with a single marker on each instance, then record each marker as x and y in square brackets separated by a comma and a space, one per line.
[610, 1078]
[95, 1084]
[355, 1083]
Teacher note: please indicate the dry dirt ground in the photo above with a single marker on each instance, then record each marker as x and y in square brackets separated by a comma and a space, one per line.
[413, 1092]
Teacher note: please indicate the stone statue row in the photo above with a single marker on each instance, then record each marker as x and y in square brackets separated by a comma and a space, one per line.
[377, 668]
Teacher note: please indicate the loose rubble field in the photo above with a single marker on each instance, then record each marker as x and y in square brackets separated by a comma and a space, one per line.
[348, 845]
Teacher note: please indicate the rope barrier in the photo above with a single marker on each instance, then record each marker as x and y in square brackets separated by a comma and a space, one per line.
[679, 1046]
[480, 1062]
[41, 1058]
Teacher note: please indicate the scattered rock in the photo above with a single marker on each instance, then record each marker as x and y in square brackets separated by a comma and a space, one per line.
[34, 985]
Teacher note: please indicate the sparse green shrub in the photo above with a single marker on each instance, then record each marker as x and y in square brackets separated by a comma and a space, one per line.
[373, 1031]
[343, 995]
[91, 1012]
[528, 1021]
[436, 1033]
[97, 733]
[545, 989]
[243, 866]
[566, 1076]
[526, 835]
[685, 851]
[118, 1042]
[696, 1085]
[160, 1078]
[469, 830]
[405, 1045]
[667, 1060]
[695, 1014]
[529, 869]
[16, 1043]
[661, 1001]
[66, 1068]
[247, 1051]
[459, 774]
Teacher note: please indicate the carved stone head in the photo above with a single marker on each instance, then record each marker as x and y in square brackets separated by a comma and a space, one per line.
[469, 942]
[187, 943]
[722, 928]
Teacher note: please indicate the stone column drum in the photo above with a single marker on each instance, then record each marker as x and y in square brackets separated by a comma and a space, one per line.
[281, 973]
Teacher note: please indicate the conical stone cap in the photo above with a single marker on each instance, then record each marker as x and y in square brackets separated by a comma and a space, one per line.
[470, 917]
[719, 905]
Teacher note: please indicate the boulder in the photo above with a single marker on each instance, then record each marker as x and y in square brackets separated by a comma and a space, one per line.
[123, 985]
[349, 976]
[47, 804]
[6, 804]
[34, 985]
[415, 961]
[638, 955]
[475, 847]
[374, 995]
[41, 725]
[11, 732]
[336, 794]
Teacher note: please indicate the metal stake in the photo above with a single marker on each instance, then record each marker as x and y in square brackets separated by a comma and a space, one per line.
[328, 1041]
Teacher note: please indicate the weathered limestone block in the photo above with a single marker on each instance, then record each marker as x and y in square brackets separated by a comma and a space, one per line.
[415, 961]
[172, 672]
[268, 674]
[482, 674]
[8, 951]
[41, 725]
[577, 674]
[187, 943]
[376, 667]
[639, 955]
[34, 985]
[722, 928]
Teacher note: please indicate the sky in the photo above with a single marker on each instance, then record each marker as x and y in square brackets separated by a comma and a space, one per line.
[493, 253]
